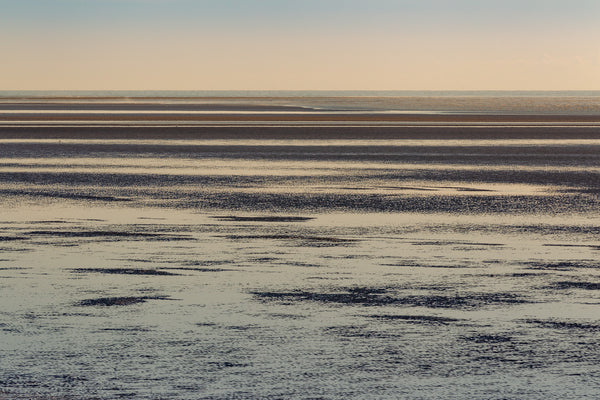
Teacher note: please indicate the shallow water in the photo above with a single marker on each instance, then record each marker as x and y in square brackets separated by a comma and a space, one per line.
[454, 269]
[343, 305]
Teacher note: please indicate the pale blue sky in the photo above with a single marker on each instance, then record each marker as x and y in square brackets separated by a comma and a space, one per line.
[307, 44]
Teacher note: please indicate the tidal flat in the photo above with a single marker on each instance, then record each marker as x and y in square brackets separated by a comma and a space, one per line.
[188, 265]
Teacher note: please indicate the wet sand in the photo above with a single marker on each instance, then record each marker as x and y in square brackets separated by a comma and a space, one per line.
[322, 117]
[342, 305]
[298, 132]
[575, 104]
[207, 262]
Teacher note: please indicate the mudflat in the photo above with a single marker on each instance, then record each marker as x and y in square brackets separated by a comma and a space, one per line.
[287, 259]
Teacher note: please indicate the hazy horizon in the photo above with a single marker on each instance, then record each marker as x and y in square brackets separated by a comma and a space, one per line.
[309, 45]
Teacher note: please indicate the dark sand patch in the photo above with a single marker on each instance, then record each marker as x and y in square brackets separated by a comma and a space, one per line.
[286, 316]
[486, 338]
[452, 243]
[78, 234]
[415, 319]
[132, 329]
[272, 218]
[562, 265]
[123, 271]
[8, 328]
[509, 275]
[199, 269]
[119, 301]
[72, 196]
[110, 234]
[301, 264]
[424, 265]
[210, 324]
[569, 325]
[12, 238]
[267, 201]
[264, 259]
[15, 249]
[432, 287]
[206, 263]
[134, 260]
[366, 296]
[575, 285]
[42, 222]
[203, 266]
[548, 229]
[591, 246]
[523, 274]
[293, 237]
[228, 364]
[32, 396]
[415, 188]
[470, 204]
[353, 331]
[463, 189]
[241, 327]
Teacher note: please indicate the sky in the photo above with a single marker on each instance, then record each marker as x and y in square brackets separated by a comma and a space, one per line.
[299, 45]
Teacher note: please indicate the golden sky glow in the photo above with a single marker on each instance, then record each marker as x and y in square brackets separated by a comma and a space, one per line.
[179, 44]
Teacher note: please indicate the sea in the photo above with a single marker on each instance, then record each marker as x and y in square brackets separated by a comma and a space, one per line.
[299, 245]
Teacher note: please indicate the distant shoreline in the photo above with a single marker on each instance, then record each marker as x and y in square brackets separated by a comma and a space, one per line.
[299, 117]
[298, 132]
[508, 105]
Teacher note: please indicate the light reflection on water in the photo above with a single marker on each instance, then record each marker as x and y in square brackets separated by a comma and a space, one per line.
[249, 167]
[215, 332]
[142, 273]
[320, 143]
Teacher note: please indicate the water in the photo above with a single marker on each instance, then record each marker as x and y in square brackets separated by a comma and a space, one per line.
[299, 261]
[492, 102]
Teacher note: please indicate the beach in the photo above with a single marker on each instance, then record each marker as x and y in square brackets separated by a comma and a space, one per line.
[233, 247]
